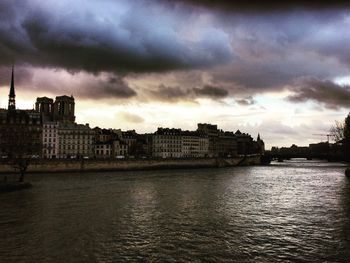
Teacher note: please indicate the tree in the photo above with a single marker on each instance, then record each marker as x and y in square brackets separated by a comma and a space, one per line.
[341, 133]
[337, 131]
[341, 130]
[347, 129]
[20, 138]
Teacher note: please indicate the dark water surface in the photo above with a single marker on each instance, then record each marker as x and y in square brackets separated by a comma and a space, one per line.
[297, 211]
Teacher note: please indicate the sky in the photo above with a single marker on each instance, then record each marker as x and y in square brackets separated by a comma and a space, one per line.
[281, 69]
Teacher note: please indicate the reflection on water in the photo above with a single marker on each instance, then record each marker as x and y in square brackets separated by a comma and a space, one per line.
[293, 211]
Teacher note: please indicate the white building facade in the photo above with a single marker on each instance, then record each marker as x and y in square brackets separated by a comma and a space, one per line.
[75, 141]
[50, 140]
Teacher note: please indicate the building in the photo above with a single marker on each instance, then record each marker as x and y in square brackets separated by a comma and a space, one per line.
[61, 110]
[50, 140]
[212, 132]
[175, 143]
[130, 138]
[120, 149]
[20, 130]
[261, 145]
[194, 144]
[104, 135]
[44, 105]
[244, 143]
[226, 144]
[143, 146]
[75, 140]
[167, 143]
[103, 149]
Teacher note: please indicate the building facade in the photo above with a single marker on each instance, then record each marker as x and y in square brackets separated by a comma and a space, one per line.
[20, 130]
[61, 110]
[167, 143]
[226, 144]
[194, 144]
[212, 132]
[50, 140]
[75, 141]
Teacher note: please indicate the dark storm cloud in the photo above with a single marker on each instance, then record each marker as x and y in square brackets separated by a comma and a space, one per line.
[81, 85]
[211, 92]
[115, 87]
[125, 36]
[237, 53]
[268, 5]
[326, 92]
[175, 94]
[274, 50]
[169, 94]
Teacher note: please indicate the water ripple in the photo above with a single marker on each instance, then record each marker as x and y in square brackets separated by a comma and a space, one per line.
[297, 211]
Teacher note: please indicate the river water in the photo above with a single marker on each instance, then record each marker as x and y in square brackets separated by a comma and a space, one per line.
[296, 211]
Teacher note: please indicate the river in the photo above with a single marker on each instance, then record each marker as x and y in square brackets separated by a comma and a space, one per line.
[296, 211]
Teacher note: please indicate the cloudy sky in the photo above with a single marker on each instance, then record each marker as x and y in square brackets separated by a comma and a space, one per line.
[280, 69]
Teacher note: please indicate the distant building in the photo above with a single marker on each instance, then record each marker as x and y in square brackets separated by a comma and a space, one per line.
[226, 144]
[194, 144]
[175, 143]
[103, 149]
[245, 143]
[50, 140]
[104, 135]
[167, 143]
[260, 144]
[20, 130]
[143, 146]
[61, 110]
[110, 144]
[120, 149]
[44, 106]
[130, 138]
[75, 140]
[212, 132]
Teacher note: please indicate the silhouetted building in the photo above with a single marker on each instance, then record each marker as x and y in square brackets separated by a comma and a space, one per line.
[212, 132]
[244, 143]
[44, 106]
[226, 144]
[261, 145]
[130, 138]
[61, 110]
[20, 130]
[12, 95]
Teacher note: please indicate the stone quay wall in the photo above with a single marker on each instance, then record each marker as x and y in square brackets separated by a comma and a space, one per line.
[93, 165]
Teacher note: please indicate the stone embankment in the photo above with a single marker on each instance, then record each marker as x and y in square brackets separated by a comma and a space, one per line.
[91, 165]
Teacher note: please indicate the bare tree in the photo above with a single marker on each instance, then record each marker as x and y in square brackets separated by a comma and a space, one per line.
[341, 133]
[337, 131]
[347, 129]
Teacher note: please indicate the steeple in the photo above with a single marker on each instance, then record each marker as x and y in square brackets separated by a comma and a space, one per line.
[12, 95]
[258, 139]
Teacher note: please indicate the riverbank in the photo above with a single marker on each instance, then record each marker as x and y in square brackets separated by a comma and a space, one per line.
[92, 165]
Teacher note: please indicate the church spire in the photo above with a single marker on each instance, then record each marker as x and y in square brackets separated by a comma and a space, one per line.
[12, 95]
